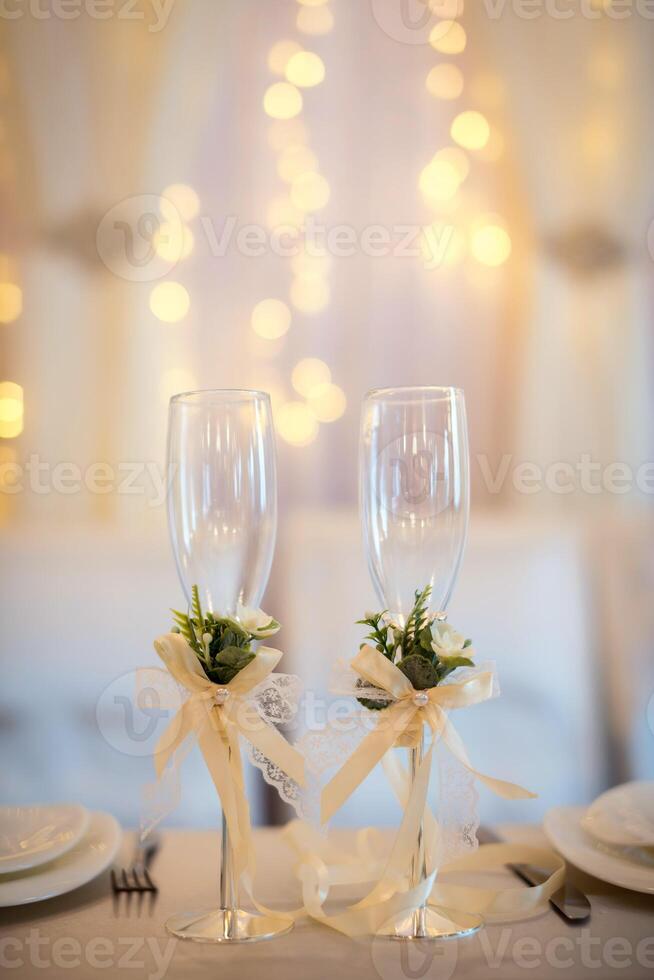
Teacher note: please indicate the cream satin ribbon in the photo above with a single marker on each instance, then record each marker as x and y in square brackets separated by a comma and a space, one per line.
[402, 722]
[217, 715]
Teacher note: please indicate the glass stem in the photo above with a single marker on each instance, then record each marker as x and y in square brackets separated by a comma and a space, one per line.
[418, 861]
[228, 890]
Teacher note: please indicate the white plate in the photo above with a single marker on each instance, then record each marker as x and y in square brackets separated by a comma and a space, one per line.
[623, 815]
[33, 835]
[87, 859]
[626, 867]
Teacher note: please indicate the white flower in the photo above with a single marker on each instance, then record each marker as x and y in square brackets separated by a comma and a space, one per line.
[256, 621]
[446, 642]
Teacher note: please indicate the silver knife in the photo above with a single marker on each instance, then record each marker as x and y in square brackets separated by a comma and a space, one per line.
[571, 904]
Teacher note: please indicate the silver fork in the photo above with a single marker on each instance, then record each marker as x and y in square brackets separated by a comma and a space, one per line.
[136, 877]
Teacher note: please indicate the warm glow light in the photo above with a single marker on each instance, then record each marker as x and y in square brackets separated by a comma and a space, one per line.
[184, 199]
[296, 424]
[11, 410]
[306, 266]
[605, 67]
[439, 180]
[444, 246]
[315, 20]
[305, 69]
[173, 241]
[327, 402]
[282, 100]
[471, 130]
[175, 381]
[490, 244]
[308, 374]
[295, 160]
[169, 301]
[280, 54]
[445, 81]
[312, 3]
[271, 319]
[456, 158]
[448, 37]
[286, 132]
[487, 88]
[494, 149]
[310, 191]
[11, 302]
[309, 295]
[282, 213]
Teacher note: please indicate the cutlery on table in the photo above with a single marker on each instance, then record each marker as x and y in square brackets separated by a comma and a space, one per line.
[570, 903]
[136, 877]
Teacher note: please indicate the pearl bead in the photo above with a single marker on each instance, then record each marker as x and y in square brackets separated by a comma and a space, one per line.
[221, 695]
[420, 699]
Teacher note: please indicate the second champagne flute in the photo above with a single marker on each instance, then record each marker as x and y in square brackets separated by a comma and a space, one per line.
[414, 497]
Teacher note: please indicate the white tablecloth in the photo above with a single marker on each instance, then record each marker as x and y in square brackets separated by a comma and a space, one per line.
[86, 934]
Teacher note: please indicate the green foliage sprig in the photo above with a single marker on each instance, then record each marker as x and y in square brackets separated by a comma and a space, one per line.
[426, 649]
[223, 645]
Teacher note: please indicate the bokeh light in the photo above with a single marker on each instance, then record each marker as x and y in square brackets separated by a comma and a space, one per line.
[310, 296]
[305, 69]
[295, 160]
[456, 158]
[296, 423]
[170, 301]
[470, 130]
[11, 410]
[439, 181]
[282, 100]
[173, 241]
[445, 81]
[327, 402]
[11, 302]
[308, 374]
[184, 200]
[310, 191]
[448, 37]
[282, 213]
[449, 9]
[490, 244]
[280, 54]
[315, 21]
[271, 318]
[312, 3]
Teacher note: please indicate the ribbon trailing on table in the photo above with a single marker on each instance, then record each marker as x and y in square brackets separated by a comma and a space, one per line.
[401, 722]
[217, 715]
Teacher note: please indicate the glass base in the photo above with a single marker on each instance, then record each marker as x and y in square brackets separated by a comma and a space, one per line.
[226, 926]
[430, 923]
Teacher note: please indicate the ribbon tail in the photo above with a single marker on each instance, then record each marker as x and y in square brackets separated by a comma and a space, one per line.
[272, 744]
[365, 757]
[449, 734]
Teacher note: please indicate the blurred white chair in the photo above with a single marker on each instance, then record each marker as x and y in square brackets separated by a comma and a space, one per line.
[523, 598]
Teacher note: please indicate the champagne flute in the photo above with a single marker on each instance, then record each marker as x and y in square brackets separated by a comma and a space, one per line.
[414, 499]
[222, 515]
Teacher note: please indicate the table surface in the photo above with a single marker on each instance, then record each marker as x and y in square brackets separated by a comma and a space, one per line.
[87, 933]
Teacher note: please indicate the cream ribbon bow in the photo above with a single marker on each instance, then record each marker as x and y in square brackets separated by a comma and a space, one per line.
[218, 715]
[403, 719]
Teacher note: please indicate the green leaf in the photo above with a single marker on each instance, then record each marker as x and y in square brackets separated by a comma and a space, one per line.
[420, 671]
[228, 663]
[196, 606]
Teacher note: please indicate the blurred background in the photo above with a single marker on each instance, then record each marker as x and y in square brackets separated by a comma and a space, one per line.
[315, 198]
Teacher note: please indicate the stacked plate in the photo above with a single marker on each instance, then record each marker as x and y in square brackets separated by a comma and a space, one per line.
[613, 839]
[48, 850]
